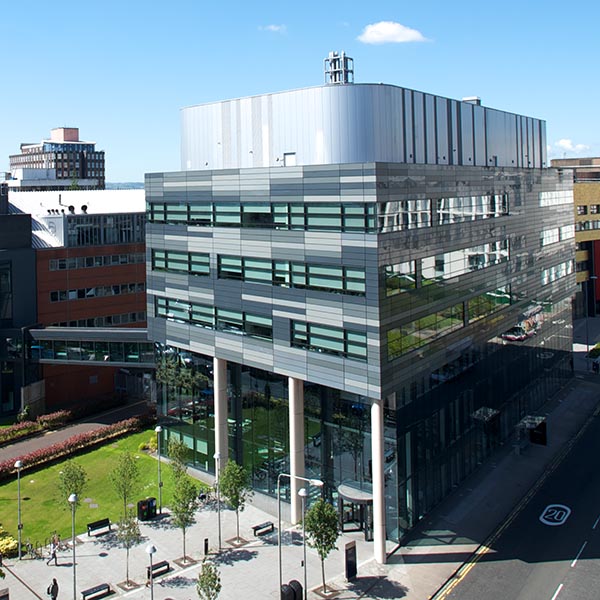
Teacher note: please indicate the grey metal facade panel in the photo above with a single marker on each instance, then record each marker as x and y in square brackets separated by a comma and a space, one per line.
[373, 314]
[357, 123]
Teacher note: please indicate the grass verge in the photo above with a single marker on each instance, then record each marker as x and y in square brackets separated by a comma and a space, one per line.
[44, 512]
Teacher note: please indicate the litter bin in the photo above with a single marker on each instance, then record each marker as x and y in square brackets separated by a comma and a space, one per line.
[151, 507]
[297, 587]
[146, 509]
[287, 593]
[142, 510]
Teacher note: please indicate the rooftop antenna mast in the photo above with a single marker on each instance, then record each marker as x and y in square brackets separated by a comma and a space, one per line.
[339, 68]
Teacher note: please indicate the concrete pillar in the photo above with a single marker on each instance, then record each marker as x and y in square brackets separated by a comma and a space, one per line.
[220, 400]
[296, 418]
[378, 481]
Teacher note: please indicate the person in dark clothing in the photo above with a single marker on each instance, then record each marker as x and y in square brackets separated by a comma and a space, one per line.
[53, 589]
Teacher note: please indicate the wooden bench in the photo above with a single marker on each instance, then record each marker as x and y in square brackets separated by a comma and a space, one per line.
[98, 591]
[266, 527]
[101, 524]
[159, 568]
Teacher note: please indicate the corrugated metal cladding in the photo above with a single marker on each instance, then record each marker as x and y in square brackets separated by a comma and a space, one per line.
[356, 124]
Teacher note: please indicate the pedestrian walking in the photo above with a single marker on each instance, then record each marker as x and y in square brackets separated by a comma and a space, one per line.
[52, 590]
[53, 549]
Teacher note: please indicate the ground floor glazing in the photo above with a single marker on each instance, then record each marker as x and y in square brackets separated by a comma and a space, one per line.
[442, 427]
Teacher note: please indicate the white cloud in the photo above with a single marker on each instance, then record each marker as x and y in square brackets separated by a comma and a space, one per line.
[386, 32]
[564, 146]
[273, 28]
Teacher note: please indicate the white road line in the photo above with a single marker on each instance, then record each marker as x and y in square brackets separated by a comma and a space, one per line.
[596, 523]
[579, 554]
[557, 592]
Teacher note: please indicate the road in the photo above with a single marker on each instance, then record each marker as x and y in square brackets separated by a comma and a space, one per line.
[551, 549]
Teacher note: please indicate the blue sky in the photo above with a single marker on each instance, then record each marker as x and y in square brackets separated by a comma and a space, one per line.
[121, 71]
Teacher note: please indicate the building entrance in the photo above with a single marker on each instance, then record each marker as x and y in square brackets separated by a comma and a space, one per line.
[355, 504]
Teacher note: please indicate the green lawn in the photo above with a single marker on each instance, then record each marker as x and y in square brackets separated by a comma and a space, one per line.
[44, 512]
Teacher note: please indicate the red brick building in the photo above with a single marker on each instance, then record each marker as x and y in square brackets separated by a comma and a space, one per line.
[91, 273]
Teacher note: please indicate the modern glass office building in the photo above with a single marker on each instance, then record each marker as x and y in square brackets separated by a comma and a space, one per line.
[373, 283]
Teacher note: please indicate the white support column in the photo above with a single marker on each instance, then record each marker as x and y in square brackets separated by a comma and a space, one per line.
[296, 417]
[378, 481]
[220, 400]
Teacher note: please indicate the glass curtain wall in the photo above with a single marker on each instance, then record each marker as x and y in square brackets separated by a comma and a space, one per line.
[187, 411]
[259, 424]
[449, 425]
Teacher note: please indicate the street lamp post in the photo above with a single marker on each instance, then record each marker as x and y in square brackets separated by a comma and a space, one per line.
[158, 430]
[150, 549]
[303, 493]
[217, 457]
[73, 503]
[18, 467]
[315, 482]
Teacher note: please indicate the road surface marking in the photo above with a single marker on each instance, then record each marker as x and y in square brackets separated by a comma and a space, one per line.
[596, 523]
[446, 588]
[579, 554]
[557, 592]
[555, 514]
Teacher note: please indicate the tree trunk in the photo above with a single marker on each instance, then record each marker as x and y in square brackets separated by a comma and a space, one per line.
[237, 517]
[323, 575]
[183, 530]
[127, 566]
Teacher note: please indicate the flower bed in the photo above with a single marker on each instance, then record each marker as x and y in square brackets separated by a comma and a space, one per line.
[71, 445]
[8, 545]
[24, 428]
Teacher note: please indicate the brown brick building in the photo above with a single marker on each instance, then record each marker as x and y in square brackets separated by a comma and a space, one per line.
[90, 273]
[586, 200]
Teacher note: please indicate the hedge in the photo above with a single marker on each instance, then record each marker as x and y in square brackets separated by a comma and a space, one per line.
[72, 445]
[24, 428]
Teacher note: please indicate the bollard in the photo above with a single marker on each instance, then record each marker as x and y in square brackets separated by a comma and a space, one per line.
[205, 546]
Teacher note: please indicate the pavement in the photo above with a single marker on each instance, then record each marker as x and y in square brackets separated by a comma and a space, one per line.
[425, 566]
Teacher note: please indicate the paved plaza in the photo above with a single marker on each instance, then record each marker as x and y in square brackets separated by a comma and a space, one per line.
[247, 571]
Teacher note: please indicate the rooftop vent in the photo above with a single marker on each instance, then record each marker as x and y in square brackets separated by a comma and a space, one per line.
[339, 68]
[472, 100]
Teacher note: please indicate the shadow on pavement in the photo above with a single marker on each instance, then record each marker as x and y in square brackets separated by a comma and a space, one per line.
[436, 557]
[178, 581]
[385, 588]
[230, 557]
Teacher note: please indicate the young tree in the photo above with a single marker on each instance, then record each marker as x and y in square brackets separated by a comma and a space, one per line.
[184, 505]
[129, 535]
[234, 484]
[72, 479]
[178, 453]
[209, 581]
[166, 370]
[176, 376]
[321, 526]
[171, 372]
[124, 478]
